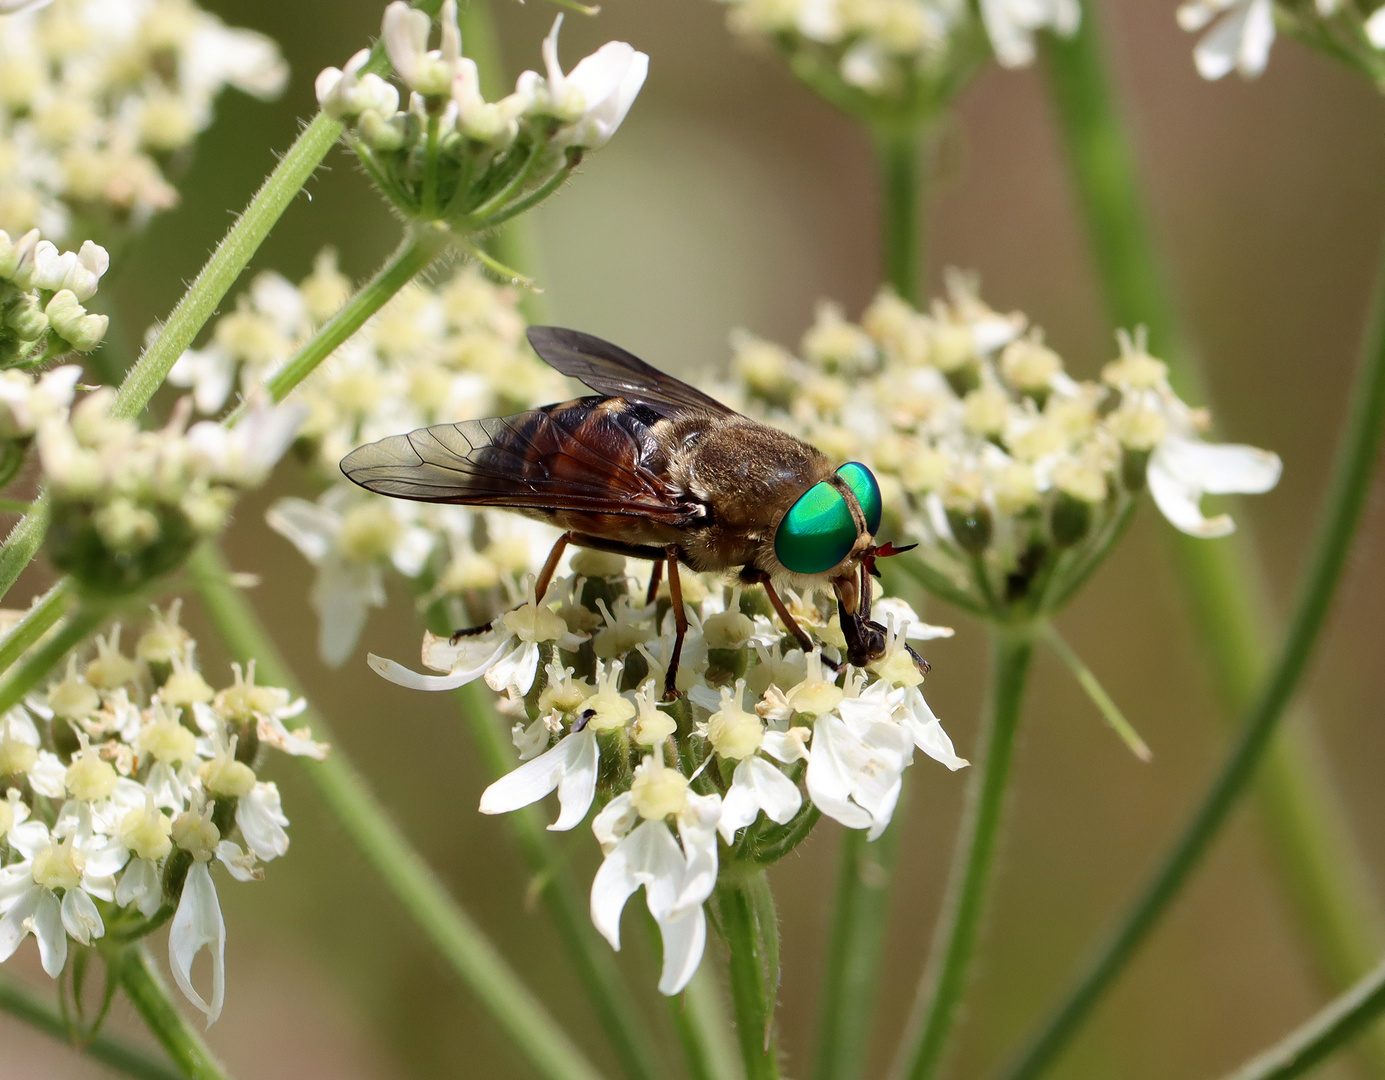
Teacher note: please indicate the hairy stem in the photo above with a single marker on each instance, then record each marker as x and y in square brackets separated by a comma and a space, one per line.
[1328, 1031]
[146, 989]
[752, 994]
[1351, 477]
[24, 1004]
[37, 621]
[945, 978]
[528, 1024]
[18, 681]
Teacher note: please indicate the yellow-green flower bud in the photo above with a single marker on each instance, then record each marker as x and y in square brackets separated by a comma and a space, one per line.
[147, 832]
[657, 792]
[59, 867]
[89, 778]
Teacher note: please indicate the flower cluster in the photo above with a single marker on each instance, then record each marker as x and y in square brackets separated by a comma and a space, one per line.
[123, 783]
[128, 505]
[762, 740]
[433, 354]
[906, 54]
[1242, 32]
[98, 96]
[450, 155]
[42, 292]
[1014, 477]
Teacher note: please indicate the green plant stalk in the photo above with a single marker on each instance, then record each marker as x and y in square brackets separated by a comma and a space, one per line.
[703, 1027]
[1317, 1039]
[419, 248]
[36, 622]
[24, 1004]
[22, 543]
[751, 997]
[1109, 710]
[1352, 470]
[898, 154]
[616, 1010]
[142, 984]
[535, 1032]
[18, 681]
[946, 975]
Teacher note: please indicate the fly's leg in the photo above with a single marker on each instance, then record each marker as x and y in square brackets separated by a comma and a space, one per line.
[550, 567]
[680, 624]
[655, 576]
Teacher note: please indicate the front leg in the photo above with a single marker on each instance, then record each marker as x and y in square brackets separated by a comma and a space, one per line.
[680, 623]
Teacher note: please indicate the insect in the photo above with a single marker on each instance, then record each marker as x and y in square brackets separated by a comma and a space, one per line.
[651, 468]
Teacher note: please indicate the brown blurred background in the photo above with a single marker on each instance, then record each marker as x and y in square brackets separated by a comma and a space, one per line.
[732, 197]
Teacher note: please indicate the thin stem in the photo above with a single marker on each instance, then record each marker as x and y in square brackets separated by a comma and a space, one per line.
[752, 998]
[606, 990]
[860, 915]
[23, 542]
[898, 153]
[37, 621]
[1223, 591]
[1109, 710]
[703, 1027]
[20, 680]
[419, 248]
[529, 1025]
[150, 996]
[1351, 481]
[1333, 1027]
[547, 188]
[945, 978]
[24, 1004]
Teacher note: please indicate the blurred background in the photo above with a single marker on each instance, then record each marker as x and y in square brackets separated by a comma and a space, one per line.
[732, 197]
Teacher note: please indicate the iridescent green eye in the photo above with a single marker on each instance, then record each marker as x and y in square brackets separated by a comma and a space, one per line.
[817, 532]
[862, 483]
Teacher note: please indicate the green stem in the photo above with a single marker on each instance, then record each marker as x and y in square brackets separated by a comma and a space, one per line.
[703, 1027]
[37, 621]
[1109, 710]
[898, 153]
[945, 977]
[860, 914]
[20, 680]
[24, 1004]
[1328, 1031]
[419, 248]
[23, 542]
[1351, 481]
[606, 990]
[547, 188]
[150, 996]
[529, 1025]
[751, 996]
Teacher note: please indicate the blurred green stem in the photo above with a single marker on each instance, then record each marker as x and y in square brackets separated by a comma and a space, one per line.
[36, 622]
[1224, 593]
[534, 1031]
[1321, 1036]
[703, 1026]
[25, 1004]
[753, 987]
[945, 977]
[865, 870]
[150, 996]
[19, 680]
[420, 246]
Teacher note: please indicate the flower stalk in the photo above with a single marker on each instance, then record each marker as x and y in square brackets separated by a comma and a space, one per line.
[23, 1004]
[1351, 480]
[948, 970]
[534, 1031]
[754, 982]
[150, 996]
[23, 678]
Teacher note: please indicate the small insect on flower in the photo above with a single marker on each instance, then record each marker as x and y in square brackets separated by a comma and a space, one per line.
[651, 468]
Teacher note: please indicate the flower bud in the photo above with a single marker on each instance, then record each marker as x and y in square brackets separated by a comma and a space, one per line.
[89, 778]
[658, 791]
[147, 832]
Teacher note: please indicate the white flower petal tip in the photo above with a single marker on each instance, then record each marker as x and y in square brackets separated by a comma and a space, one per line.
[398, 674]
[198, 925]
[1182, 470]
[1240, 41]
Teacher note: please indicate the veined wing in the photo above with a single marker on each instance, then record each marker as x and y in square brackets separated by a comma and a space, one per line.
[577, 456]
[610, 370]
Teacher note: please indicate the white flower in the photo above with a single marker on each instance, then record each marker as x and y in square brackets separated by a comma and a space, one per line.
[1011, 25]
[198, 925]
[1241, 40]
[21, 755]
[343, 93]
[1182, 470]
[507, 654]
[858, 759]
[25, 403]
[594, 97]
[245, 455]
[676, 880]
[405, 32]
[77, 271]
[757, 785]
[29, 899]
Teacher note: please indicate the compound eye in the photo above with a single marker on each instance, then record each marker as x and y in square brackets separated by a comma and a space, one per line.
[862, 483]
[817, 532]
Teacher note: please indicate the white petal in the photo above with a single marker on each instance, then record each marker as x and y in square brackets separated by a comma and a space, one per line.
[516, 669]
[13, 927]
[928, 732]
[140, 885]
[614, 822]
[649, 856]
[828, 785]
[1256, 38]
[343, 595]
[787, 746]
[1182, 470]
[241, 865]
[697, 828]
[80, 917]
[198, 925]
[1375, 28]
[310, 528]
[684, 938]
[48, 929]
[260, 815]
[106, 859]
[570, 766]
[398, 674]
[48, 775]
